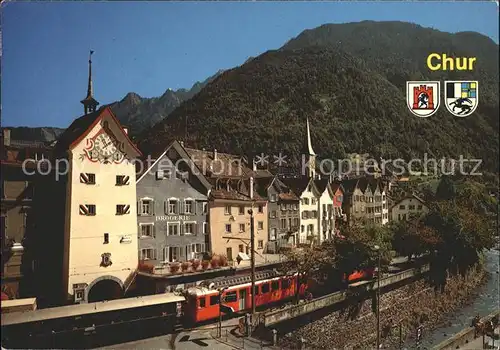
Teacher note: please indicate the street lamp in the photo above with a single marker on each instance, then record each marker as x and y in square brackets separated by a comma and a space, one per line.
[377, 248]
[220, 290]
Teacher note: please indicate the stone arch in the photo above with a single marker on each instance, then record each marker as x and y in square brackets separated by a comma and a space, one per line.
[104, 288]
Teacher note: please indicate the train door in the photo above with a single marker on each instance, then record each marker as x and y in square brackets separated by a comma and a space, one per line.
[242, 300]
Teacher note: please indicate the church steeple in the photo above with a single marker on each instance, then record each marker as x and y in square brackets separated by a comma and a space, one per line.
[311, 169]
[89, 103]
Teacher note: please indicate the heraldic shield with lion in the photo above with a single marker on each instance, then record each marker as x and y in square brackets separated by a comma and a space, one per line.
[423, 97]
[461, 97]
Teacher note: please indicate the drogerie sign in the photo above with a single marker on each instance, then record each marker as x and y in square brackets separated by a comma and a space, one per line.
[172, 218]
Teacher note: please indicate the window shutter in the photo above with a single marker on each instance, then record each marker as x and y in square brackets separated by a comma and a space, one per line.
[166, 207]
[178, 207]
[181, 229]
[199, 227]
[182, 205]
[181, 252]
[194, 206]
[154, 231]
[203, 250]
[188, 252]
[139, 231]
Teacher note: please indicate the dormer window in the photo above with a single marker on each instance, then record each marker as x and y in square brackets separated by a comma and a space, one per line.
[163, 174]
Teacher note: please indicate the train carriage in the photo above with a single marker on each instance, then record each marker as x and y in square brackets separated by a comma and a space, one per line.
[202, 302]
[61, 326]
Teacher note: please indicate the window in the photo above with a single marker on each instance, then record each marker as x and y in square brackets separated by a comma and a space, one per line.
[275, 285]
[178, 175]
[289, 222]
[273, 234]
[87, 178]
[147, 230]
[242, 228]
[205, 228]
[188, 207]
[296, 222]
[173, 229]
[227, 210]
[147, 254]
[240, 248]
[172, 206]
[122, 209]
[260, 244]
[122, 180]
[163, 174]
[106, 238]
[146, 207]
[205, 207]
[419, 207]
[230, 297]
[241, 210]
[260, 225]
[189, 228]
[273, 214]
[283, 223]
[315, 214]
[402, 207]
[295, 207]
[273, 198]
[313, 201]
[285, 284]
[265, 288]
[302, 228]
[171, 254]
[198, 247]
[79, 295]
[261, 209]
[214, 300]
[87, 209]
[411, 207]
[306, 201]
[228, 228]
[282, 207]
[202, 301]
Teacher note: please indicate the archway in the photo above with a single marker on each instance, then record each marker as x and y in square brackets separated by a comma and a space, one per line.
[105, 288]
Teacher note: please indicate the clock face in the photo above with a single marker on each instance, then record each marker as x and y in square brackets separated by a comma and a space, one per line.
[105, 146]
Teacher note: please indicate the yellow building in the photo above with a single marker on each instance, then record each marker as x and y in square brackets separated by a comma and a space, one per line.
[232, 195]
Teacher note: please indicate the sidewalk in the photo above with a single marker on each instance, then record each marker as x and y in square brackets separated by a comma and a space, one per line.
[478, 342]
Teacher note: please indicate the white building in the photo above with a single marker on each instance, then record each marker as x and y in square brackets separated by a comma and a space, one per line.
[326, 219]
[100, 230]
[405, 208]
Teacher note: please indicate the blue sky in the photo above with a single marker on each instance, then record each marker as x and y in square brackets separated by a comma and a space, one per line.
[151, 46]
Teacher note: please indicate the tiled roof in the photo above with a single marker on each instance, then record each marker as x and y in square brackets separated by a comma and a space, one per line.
[233, 195]
[223, 165]
[297, 185]
[335, 186]
[288, 196]
[75, 130]
[321, 185]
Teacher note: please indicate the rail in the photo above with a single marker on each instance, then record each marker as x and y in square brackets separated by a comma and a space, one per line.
[274, 317]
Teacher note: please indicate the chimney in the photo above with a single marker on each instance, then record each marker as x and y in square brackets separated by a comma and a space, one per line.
[215, 154]
[6, 137]
[125, 129]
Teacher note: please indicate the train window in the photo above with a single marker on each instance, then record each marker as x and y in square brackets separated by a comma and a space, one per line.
[275, 285]
[202, 302]
[214, 300]
[256, 290]
[265, 288]
[230, 297]
[285, 284]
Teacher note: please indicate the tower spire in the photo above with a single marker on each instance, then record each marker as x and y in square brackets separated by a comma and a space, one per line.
[311, 155]
[89, 103]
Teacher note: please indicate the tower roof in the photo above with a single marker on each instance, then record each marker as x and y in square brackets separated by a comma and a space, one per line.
[309, 143]
[89, 102]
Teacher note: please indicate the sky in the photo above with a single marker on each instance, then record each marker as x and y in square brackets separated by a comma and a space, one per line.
[148, 47]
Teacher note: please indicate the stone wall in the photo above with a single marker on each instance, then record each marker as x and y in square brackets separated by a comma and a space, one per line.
[410, 305]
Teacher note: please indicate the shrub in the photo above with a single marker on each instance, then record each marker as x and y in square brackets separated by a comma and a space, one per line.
[204, 264]
[174, 267]
[195, 264]
[185, 266]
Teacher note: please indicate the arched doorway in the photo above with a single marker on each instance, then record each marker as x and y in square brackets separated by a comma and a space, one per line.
[105, 288]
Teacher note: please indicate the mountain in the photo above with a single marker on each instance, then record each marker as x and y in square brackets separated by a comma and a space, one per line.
[350, 80]
[42, 134]
[140, 113]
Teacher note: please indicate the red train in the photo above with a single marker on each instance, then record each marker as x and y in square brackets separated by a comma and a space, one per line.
[202, 302]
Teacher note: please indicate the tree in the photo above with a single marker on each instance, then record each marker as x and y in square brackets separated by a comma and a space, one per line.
[413, 237]
[308, 263]
[446, 189]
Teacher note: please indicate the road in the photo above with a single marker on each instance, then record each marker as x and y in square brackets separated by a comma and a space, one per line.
[478, 342]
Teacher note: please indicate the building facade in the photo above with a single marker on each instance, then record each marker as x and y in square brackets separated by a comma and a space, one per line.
[17, 218]
[233, 194]
[100, 230]
[408, 207]
[283, 213]
[172, 211]
[326, 218]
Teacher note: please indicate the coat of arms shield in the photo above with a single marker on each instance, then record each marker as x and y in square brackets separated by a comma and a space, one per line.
[461, 97]
[423, 97]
